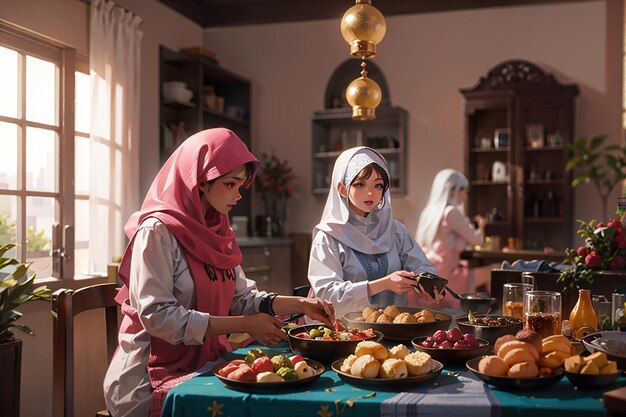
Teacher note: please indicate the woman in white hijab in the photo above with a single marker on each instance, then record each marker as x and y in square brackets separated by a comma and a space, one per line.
[444, 231]
[360, 254]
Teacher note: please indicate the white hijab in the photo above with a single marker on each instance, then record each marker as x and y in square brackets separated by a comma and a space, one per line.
[440, 197]
[370, 235]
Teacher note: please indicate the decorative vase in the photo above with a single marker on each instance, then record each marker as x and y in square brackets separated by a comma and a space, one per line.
[276, 209]
[583, 313]
[11, 365]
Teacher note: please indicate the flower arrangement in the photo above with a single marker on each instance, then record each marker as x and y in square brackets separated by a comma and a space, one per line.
[275, 177]
[604, 249]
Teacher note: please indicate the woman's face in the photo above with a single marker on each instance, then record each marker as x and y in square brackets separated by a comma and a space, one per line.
[223, 193]
[365, 194]
[462, 196]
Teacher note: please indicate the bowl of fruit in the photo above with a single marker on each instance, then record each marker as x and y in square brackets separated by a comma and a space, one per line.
[451, 346]
[489, 326]
[326, 345]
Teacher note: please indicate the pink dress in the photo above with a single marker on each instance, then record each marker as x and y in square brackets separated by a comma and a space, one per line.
[454, 234]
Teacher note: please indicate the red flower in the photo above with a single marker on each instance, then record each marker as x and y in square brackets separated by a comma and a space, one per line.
[620, 261]
[593, 260]
[615, 224]
[601, 224]
[582, 251]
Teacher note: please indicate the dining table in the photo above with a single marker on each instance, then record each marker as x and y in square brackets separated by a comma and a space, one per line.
[456, 392]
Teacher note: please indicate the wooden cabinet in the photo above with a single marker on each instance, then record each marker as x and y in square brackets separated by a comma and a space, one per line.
[518, 123]
[268, 263]
[220, 98]
[334, 130]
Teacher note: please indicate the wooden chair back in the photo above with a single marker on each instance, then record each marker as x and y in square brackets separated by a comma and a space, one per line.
[66, 304]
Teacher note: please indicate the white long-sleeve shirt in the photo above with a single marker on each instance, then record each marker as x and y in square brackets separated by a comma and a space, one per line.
[162, 290]
[337, 275]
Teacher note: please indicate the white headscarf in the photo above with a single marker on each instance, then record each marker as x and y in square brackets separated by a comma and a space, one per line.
[372, 234]
[440, 197]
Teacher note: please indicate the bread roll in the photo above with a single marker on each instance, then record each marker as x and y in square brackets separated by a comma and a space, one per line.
[373, 316]
[367, 311]
[365, 366]
[531, 337]
[393, 368]
[502, 340]
[405, 318]
[347, 363]
[523, 370]
[517, 344]
[551, 345]
[558, 338]
[369, 347]
[391, 311]
[399, 351]
[383, 318]
[418, 363]
[519, 355]
[493, 365]
[424, 316]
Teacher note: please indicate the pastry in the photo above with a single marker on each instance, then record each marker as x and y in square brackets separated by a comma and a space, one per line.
[393, 368]
[558, 338]
[517, 344]
[347, 363]
[373, 316]
[550, 345]
[405, 318]
[399, 351]
[369, 347]
[391, 311]
[598, 358]
[523, 370]
[590, 369]
[609, 368]
[574, 364]
[367, 311]
[531, 337]
[365, 366]
[424, 316]
[493, 365]
[418, 363]
[383, 318]
[502, 340]
[519, 355]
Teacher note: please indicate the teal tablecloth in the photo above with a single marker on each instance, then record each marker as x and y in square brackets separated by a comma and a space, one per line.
[329, 396]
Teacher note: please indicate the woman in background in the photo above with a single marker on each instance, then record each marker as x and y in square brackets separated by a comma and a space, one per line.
[444, 231]
[361, 255]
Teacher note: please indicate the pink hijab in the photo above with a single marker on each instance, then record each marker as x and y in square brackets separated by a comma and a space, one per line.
[206, 239]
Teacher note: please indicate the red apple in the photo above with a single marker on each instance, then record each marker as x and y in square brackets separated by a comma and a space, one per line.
[446, 344]
[440, 336]
[243, 373]
[262, 364]
[454, 335]
[470, 340]
[460, 344]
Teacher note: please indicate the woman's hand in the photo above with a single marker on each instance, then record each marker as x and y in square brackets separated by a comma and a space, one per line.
[318, 309]
[480, 221]
[421, 293]
[265, 329]
[398, 281]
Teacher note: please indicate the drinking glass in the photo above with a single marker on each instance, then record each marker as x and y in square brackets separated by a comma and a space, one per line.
[542, 312]
[617, 306]
[528, 278]
[513, 298]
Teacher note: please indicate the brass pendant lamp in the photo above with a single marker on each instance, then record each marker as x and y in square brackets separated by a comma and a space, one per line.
[363, 27]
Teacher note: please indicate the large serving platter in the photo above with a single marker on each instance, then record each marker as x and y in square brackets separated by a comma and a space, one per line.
[249, 386]
[382, 383]
[399, 331]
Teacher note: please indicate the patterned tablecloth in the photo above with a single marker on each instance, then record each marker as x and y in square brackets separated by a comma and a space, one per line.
[456, 392]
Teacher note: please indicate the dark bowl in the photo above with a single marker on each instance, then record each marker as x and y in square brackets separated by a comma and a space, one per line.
[325, 351]
[489, 333]
[505, 382]
[397, 331]
[477, 303]
[591, 381]
[447, 356]
[612, 334]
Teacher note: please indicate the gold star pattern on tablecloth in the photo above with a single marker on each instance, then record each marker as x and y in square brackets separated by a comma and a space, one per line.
[216, 409]
[324, 411]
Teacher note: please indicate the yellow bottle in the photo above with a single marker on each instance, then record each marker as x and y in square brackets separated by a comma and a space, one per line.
[583, 313]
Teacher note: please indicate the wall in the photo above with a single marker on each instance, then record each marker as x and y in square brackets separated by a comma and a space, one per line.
[426, 59]
[67, 21]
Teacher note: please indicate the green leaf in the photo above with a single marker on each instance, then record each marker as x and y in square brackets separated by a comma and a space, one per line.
[4, 262]
[25, 329]
[596, 141]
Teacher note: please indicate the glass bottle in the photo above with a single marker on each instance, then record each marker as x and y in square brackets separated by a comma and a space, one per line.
[583, 313]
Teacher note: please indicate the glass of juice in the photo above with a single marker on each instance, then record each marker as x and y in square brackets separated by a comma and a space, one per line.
[513, 298]
[542, 312]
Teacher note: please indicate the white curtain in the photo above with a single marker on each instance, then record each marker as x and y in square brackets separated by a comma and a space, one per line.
[114, 57]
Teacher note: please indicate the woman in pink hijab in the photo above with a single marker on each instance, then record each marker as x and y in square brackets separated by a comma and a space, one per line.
[184, 289]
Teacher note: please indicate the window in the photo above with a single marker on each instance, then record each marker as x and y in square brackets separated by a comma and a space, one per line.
[44, 123]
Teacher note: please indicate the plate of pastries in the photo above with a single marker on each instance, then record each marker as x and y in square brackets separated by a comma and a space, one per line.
[399, 323]
[374, 365]
[260, 370]
[523, 361]
[590, 372]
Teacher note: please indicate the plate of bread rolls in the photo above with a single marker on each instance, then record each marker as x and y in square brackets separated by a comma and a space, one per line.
[399, 323]
[374, 365]
[523, 360]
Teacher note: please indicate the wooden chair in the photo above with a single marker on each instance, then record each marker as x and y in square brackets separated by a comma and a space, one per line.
[66, 304]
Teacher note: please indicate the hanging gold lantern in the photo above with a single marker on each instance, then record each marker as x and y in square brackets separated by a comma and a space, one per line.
[363, 27]
[364, 95]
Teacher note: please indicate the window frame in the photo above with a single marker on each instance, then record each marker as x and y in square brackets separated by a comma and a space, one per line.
[68, 61]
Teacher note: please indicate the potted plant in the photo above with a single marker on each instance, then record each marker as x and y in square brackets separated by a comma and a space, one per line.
[603, 166]
[16, 288]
